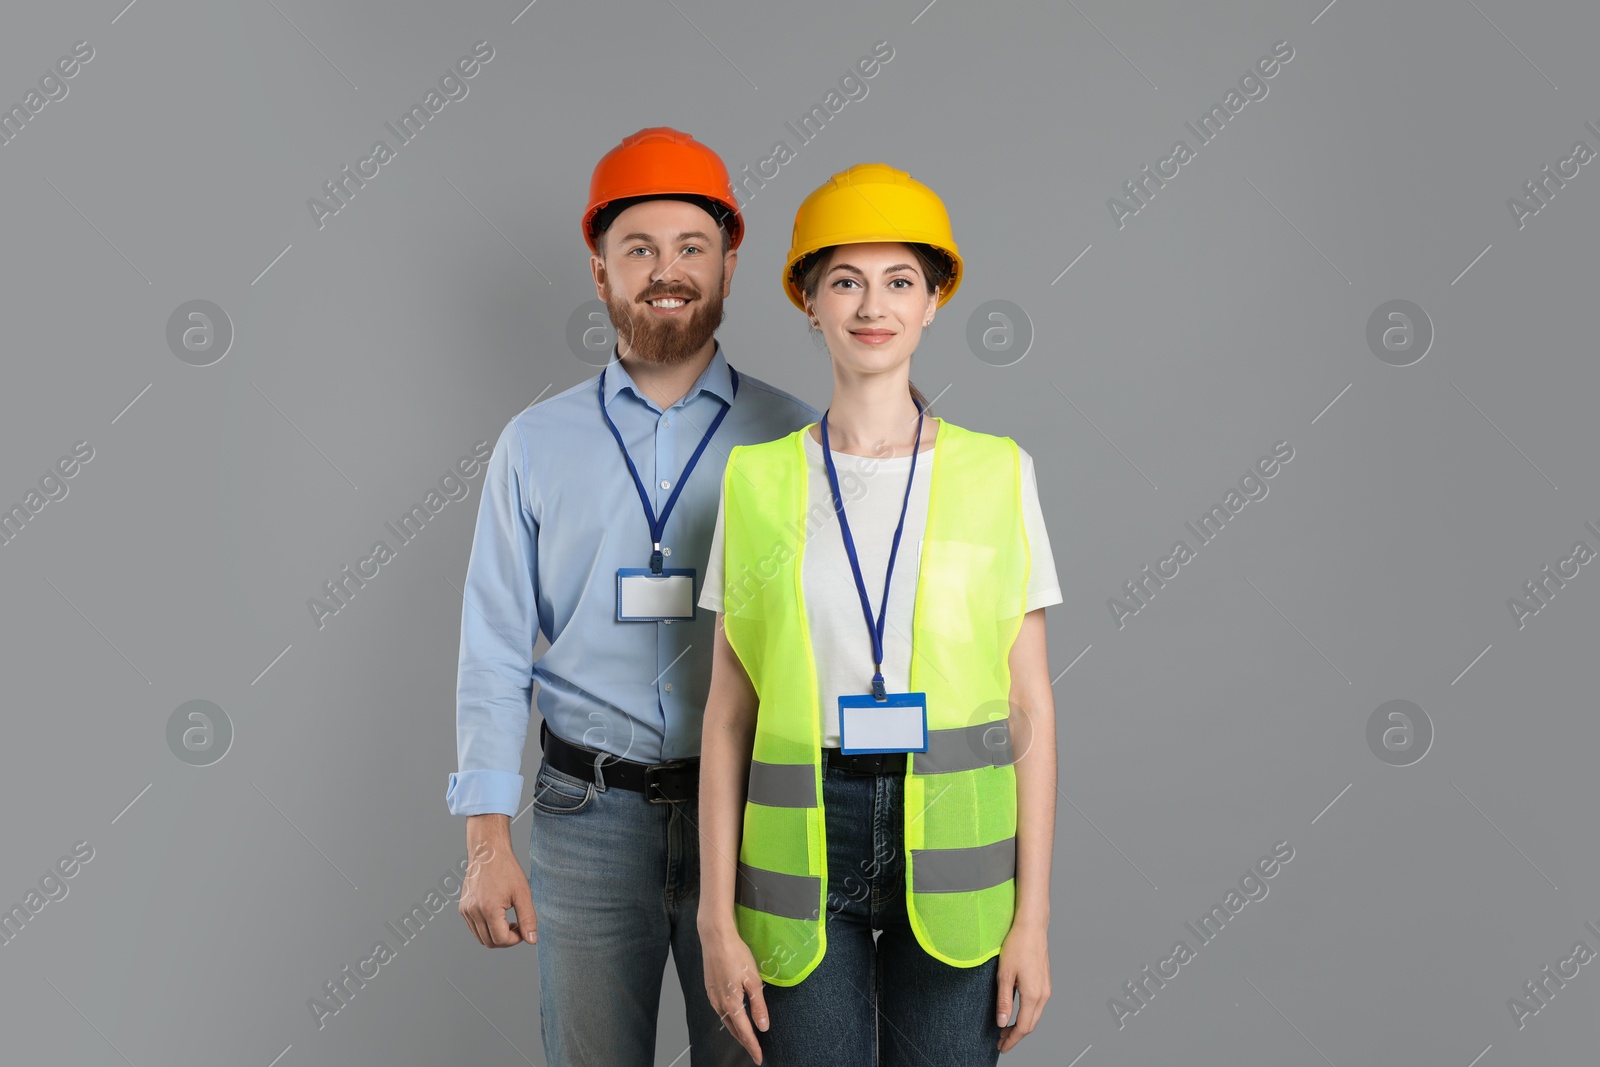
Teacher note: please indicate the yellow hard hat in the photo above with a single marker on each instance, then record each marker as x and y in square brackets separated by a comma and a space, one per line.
[870, 202]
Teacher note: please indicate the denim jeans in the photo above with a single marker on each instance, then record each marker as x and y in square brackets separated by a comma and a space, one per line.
[887, 1003]
[616, 882]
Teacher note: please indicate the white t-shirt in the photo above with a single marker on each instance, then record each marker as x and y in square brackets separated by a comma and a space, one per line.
[839, 635]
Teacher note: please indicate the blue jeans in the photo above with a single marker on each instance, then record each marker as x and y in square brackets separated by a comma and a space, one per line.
[887, 1003]
[616, 882]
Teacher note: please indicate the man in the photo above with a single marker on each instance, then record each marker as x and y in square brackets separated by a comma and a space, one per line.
[594, 528]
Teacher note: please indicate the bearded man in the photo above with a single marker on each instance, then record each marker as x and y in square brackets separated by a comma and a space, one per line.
[594, 529]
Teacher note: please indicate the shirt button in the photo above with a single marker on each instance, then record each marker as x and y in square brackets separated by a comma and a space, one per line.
[668, 687]
[665, 551]
[665, 484]
[666, 422]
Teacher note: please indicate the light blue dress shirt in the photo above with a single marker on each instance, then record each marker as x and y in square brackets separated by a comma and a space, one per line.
[559, 515]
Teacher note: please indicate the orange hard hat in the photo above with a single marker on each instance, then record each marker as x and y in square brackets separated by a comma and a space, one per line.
[661, 161]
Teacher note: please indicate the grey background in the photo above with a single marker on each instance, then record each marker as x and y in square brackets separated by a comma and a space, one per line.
[1227, 315]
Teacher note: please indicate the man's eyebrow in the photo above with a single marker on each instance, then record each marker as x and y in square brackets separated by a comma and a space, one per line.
[684, 236]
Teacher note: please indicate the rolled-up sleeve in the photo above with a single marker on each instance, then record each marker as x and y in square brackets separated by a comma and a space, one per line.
[499, 628]
[711, 591]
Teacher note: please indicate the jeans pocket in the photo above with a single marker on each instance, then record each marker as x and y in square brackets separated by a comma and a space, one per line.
[556, 792]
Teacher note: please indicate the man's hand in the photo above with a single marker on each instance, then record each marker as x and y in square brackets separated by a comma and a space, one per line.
[494, 882]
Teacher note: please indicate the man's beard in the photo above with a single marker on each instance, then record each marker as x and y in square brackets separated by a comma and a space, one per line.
[666, 341]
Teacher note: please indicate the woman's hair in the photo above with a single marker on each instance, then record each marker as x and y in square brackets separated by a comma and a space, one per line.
[937, 270]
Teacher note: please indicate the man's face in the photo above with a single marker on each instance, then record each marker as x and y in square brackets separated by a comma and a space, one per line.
[664, 250]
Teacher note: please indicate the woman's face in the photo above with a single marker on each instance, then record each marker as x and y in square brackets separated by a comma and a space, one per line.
[871, 305]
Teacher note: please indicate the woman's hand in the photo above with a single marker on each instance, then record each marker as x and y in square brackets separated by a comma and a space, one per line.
[731, 975]
[1024, 964]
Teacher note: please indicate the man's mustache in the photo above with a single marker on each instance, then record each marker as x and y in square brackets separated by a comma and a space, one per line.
[645, 298]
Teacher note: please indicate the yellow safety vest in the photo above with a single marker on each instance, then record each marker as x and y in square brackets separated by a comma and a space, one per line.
[960, 795]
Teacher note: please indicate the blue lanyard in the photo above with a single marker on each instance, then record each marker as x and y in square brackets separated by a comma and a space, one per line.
[876, 628]
[658, 525]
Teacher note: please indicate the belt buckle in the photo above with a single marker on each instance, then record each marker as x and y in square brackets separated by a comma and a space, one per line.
[655, 790]
[865, 762]
[881, 761]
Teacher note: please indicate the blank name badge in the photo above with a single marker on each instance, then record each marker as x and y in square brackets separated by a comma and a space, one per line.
[898, 723]
[644, 596]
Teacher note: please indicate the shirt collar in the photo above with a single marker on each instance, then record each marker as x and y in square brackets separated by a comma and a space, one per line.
[715, 379]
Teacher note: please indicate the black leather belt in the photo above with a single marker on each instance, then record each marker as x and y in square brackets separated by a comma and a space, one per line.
[661, 783]
[867, 762]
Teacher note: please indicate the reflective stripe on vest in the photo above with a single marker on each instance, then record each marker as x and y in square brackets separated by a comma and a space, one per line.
[782, 785]
[961, 748]
[962, 870]
[792, 895]
[960, 795]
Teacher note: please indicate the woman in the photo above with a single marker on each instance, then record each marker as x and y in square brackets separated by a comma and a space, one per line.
[892, 758]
